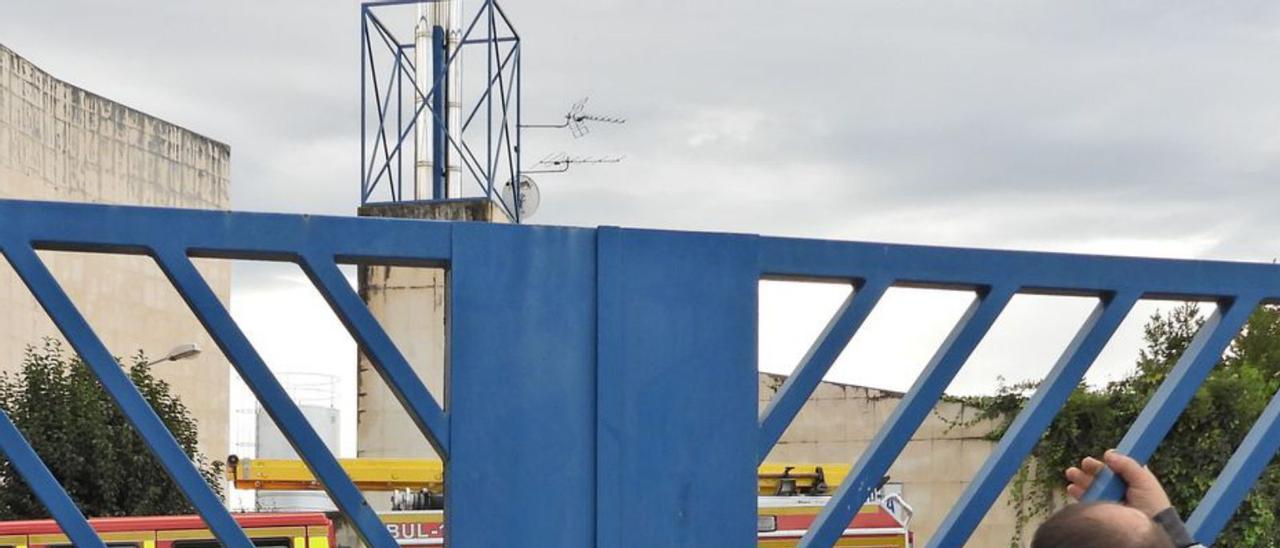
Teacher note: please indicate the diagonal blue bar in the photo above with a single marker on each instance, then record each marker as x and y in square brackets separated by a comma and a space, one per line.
[815, 364]
[1235, 480]
[273, 397]
[116, 382]
[1176, 391]
[1026, 429]
[46, 488]
[386, 357]
[907, 416]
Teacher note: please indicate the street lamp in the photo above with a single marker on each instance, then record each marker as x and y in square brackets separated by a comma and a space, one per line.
[180, 352]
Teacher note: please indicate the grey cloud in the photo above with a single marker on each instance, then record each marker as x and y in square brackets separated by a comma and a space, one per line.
[1030, 125]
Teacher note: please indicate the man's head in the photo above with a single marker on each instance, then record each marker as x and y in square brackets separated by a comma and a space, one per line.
[1100, 525]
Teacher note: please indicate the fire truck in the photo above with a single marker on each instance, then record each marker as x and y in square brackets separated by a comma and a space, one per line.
[790, 498]
[780, 522]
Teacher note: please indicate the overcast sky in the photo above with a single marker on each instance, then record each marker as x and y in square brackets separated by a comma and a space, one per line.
[1138, 128]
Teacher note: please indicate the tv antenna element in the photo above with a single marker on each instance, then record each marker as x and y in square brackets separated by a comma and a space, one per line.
[560, 162]
[576, 120]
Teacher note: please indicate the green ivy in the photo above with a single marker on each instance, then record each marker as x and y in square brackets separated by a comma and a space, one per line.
[86, 442]
[1196, 449]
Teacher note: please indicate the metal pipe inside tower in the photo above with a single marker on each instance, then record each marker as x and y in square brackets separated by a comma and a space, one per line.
[437, 174]
[422, 75]
[435, 38]
[453, 32]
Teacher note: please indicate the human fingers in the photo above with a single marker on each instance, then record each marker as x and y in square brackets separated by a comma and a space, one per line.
[1144, 491]
[1079, 477]
[1083, 475]
[1091, 465]
[1128, 469]
[1079, 482]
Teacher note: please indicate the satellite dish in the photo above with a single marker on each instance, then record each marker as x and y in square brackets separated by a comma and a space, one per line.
[530, 197]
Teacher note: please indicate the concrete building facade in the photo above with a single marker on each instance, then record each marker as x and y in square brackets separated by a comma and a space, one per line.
[411, 305]
[63, 143]
[839, 421]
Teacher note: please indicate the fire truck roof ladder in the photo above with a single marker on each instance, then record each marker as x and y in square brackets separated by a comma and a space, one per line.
[773, 479]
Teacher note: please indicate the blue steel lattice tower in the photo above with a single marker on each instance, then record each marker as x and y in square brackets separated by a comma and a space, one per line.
[413, 110]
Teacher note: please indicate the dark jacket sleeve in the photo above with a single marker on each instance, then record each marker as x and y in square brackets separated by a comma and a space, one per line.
[1173, 526]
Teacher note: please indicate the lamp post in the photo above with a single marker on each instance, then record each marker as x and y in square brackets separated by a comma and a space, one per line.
[180, 352]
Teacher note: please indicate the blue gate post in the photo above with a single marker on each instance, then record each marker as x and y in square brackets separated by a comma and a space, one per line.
[677, 389]
[521, 386]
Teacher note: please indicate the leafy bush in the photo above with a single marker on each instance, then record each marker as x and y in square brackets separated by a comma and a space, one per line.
[86, 442]
[1196, 449]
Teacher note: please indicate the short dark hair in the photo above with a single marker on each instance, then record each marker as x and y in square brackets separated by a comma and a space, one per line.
[1080, 526]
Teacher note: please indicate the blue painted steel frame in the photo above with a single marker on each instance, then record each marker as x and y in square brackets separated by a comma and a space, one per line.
[170, 237]
[1117, 282]
[601, 382]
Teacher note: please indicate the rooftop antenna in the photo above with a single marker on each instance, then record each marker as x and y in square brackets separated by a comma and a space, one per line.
[560, 162]
[576, 120]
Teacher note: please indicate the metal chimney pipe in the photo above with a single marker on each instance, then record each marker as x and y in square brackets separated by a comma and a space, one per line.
[435, 39]
[422, 75]
[454, 99]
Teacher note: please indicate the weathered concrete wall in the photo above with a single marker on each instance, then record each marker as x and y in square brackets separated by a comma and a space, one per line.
[411, 304]
[60, 142]
[838, 423]
[461, 209]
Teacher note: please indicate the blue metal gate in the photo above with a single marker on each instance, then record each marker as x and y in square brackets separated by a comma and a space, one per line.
[587, 364]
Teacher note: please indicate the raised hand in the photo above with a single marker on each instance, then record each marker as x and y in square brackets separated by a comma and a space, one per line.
[1143, 492]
